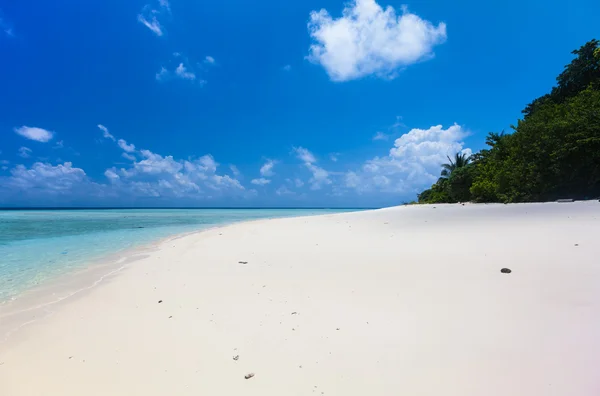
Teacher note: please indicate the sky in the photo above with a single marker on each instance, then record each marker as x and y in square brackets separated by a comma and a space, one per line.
[314, 103]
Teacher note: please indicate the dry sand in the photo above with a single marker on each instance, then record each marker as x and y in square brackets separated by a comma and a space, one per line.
[399, 301]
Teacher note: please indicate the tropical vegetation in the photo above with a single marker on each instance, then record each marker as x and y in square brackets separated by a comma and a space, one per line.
[553, 152]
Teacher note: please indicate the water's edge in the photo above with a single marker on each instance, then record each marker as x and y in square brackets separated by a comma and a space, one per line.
[43, 300]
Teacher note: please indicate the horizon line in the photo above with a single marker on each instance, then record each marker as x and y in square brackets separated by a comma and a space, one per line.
[172, 207]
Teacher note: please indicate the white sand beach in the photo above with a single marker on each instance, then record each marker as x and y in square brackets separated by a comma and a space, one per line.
[400, 301]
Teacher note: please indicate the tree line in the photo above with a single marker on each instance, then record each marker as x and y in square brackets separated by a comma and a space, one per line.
[553, 152]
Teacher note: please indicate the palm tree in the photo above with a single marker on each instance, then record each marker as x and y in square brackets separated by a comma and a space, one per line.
[460, 161]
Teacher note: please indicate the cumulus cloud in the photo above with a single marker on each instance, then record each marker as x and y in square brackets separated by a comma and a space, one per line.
[111, 175]
[155, 175]
[105, 133]
[267, 169]
[184, 73]
[209, 60]
[47, 177]
[128, 148]
[150, 177]
[33, 133]
[287, 68]
[150, 15]
[370, 40]
[334, 157]
[261, 182]
[413, 163]
[25, 152]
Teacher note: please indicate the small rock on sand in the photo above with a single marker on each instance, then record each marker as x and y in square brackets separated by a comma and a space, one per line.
[236, 357]
[249, 375]
[242, 262]
[505, 271]
[160, 301]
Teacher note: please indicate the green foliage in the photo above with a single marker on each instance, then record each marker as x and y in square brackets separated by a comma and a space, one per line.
[438, 193]
[554, 151]
[460, 161]
[582, 72]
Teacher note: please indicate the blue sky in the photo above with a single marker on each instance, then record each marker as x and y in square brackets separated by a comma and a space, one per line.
[231, 103]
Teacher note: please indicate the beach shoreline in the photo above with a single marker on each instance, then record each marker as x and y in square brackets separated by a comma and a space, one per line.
[34, 304]
[399, 300]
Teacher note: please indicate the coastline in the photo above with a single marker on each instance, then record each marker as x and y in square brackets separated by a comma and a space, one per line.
[32, 305]
[398, 300]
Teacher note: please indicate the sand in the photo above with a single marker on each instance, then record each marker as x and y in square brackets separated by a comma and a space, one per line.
[400, 301]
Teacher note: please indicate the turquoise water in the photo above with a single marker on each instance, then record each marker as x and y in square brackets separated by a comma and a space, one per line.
[38, 245]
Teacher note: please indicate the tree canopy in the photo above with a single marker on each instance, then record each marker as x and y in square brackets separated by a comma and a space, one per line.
[552, 153]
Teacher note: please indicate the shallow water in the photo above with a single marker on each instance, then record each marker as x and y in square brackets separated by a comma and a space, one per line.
[38, 245]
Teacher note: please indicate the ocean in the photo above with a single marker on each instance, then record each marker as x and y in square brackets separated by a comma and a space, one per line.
[39, 245]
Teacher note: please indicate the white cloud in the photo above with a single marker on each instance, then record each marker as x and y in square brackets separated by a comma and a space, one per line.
[413, 163]
[128, 156]
[25, 152]
[283, 190]
[334, 157]
[381, 136]
[267, 169]
[151, 22]
[287, 68]
[37, 134]
[370, 40]
[149, 16]
[209, 60]
[183, 70]
[162, 75]
[234, 169]
[156, 164]
[159, 176]
[129, 148]
[105, 133]
[153, 176]
[299, 183]
[111, 175]
[46, 177]
[183, 73]
[320, 176]
[261, 182]
[59, 144]
[304, 155]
